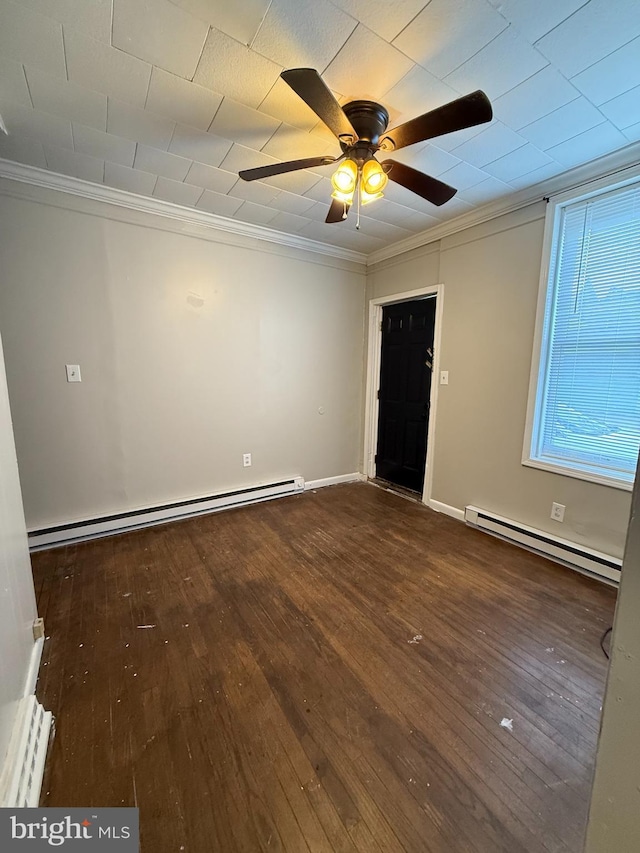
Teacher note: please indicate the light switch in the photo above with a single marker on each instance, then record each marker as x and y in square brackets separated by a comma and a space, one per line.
[73, 373]
[444, 377]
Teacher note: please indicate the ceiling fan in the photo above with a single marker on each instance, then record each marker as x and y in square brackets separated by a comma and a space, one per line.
[361, 130]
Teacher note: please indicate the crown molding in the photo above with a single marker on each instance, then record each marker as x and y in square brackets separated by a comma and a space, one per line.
[625, 159]
[98, 192]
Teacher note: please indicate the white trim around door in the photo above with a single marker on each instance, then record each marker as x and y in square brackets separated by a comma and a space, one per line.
[373, 378]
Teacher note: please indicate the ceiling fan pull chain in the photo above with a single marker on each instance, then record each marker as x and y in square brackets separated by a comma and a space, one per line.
[358, 194]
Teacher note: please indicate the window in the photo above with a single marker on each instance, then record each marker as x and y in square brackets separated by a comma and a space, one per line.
[584, 409]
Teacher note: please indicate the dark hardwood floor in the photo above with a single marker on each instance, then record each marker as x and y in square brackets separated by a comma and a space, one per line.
[326, 672]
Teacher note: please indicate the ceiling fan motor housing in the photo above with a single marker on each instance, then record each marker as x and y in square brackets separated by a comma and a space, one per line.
[369, 120]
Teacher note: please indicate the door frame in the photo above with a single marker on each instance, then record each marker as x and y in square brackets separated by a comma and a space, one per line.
[374, 353]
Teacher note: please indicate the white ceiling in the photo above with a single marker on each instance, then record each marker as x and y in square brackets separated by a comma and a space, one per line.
[170, 98]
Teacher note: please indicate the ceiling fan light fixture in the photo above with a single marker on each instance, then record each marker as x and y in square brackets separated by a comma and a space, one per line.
[374, 180]
[344, 179]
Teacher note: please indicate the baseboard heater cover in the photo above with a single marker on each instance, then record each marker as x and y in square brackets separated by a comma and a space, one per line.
[90, 528]
[553, 547]
[25, 760]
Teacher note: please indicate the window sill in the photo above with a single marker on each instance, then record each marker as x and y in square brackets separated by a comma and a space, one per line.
[579, 474]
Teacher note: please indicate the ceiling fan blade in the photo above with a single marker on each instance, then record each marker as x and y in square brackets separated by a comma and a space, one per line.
[423, 185]
[280, 168]
[309, 85]
[467, 111]
[338, 211]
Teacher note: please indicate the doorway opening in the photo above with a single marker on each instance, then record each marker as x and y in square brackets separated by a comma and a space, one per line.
[404, 335]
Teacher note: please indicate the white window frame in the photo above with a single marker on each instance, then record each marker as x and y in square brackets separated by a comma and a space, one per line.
[547, 273]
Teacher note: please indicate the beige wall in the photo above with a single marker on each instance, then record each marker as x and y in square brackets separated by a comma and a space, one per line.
[614, 816]
[491, 276]
[192, 352]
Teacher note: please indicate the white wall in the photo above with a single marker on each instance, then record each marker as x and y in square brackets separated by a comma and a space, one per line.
[17, 597]
[491, 277]
[192, 352]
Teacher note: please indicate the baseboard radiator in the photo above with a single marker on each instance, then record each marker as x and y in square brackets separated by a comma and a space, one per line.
[91, 528]
[24, 764]
[570, 554]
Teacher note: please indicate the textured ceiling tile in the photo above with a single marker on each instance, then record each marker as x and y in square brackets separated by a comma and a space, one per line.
[241, 157]
[303, 33]
[104, 146]
[244, 125]
[289, 143]
[632, 133]
[31, 38]
[537, 175]
[22, 150]
[536, 97]
[420, 222]
[498, 67]
[613, 75]
[418, 92]
[181, 100]
[426, 157]
[210, 178]
[493, 142]
[98, 66]
[139, 125]
[75, 164]
[594, 31]
[571, 119]
[67, 99]
[487, 191]
[623, 110]
[291, 203]
[463, 176]
[228, 66]
[47, 128]
[131, 180]
[384, 18]
[196, 145]
[518, 163]
[160, 33]
[177, 192]
[283, 103]
[13, 83]
[93, 17]
[452, 140]
[319, 210]
[254, 191]
[221, 205]
[385, 210]
[320, 191]
[240, 19]
[449, 32]
[255, 213]
[536, 19]
[294, 182]
[161, 163]
[288, 222]
[366, 66]
[588, 145]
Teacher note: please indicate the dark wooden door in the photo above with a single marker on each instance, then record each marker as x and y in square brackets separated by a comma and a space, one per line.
[405, 389]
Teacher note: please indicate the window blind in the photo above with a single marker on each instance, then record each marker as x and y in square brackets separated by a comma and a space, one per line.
[588, 402]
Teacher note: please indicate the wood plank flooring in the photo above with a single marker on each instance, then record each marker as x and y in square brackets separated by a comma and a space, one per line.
[326, 672]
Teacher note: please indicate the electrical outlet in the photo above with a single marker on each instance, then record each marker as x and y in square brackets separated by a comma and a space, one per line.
[444, 377]
[246, 460]
[73, 373]
[557, 511]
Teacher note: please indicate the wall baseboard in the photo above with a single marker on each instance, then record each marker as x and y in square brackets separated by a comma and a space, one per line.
[123, 522]
[578, 557]
[453, 511]
[34, 667]
[333, 481]
[23, 770]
